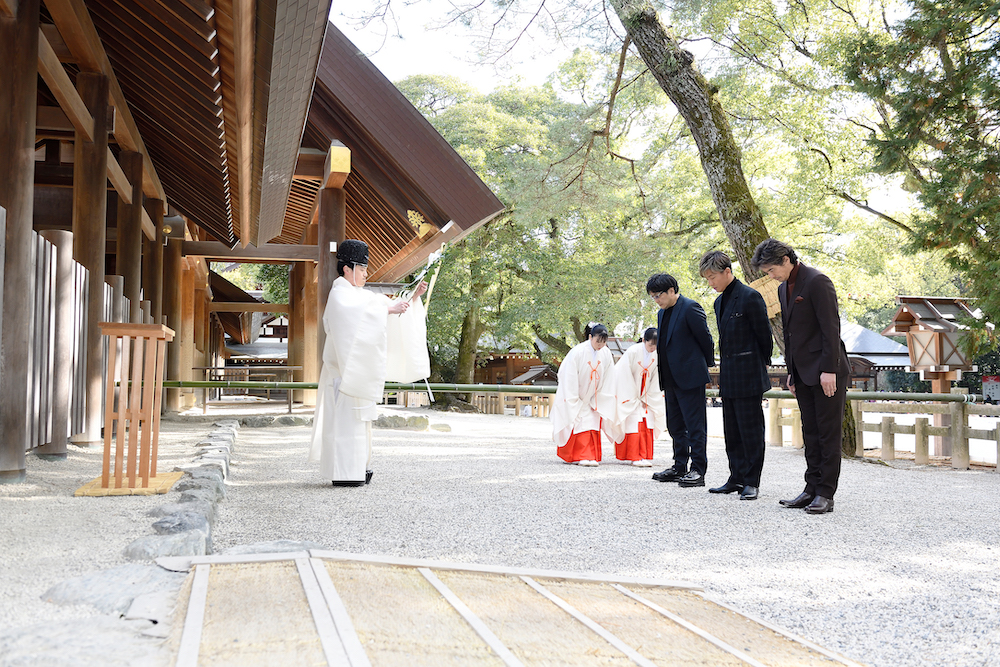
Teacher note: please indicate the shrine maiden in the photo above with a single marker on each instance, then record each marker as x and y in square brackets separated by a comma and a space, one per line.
[640, 412]
[583, 407]
[359, 337]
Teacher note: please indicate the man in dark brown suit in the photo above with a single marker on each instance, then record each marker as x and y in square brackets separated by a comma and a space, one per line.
[818, 369]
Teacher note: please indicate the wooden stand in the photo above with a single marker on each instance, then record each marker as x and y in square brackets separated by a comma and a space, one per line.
[138, 377]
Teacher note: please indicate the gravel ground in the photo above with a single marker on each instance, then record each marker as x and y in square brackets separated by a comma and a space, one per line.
[904, 572]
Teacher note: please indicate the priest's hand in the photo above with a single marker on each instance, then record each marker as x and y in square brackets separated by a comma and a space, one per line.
[421, 288]
[398, 307]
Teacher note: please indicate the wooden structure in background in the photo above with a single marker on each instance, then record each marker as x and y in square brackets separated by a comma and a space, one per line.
[933, 332]
[164, 135]
[133, 421]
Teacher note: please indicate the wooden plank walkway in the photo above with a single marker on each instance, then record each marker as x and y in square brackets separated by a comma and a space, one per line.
[333, 608]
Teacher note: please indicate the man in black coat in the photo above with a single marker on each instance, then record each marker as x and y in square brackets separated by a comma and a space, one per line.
[744, 351]
[684, 351]
[818, 369]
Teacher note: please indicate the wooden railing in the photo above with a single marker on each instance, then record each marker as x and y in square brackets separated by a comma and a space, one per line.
[783, 412]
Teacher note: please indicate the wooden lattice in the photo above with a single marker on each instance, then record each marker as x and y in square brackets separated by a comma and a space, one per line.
[132, 402]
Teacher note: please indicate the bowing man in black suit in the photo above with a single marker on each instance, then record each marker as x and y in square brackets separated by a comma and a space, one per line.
[744, 350]
[818, 369]
[685, 351]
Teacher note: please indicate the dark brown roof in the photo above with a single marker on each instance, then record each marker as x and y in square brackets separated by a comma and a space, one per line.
[402, 169]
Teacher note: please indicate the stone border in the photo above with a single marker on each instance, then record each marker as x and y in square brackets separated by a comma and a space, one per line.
[184, 528]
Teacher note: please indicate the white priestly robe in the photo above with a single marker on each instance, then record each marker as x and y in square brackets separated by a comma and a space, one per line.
[634, 400]
[582, 400]
[365, 346]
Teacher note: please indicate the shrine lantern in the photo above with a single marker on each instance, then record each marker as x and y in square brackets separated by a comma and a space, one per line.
[933, 333]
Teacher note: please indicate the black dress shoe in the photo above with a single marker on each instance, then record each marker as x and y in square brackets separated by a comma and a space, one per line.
[668, 475]
[749, 493]
[820, 505]
[340, 482]
[691, 479]
[799, 502]
[728, 487]
[368, 476]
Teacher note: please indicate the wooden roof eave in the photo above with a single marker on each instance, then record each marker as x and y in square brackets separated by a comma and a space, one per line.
[72, 19]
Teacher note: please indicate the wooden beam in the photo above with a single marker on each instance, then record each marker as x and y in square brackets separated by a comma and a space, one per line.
[8, 8]
[54, 119]
[57, 43]
[63, 89]
[337, 167]
[244, 15]
[72, 18]
[247, 307]
[275, 252]
[310, 164]
[118, 179]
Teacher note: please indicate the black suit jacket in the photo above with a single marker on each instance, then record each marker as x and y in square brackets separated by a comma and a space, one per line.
[686, 345]
[812, 327]
[744, 343]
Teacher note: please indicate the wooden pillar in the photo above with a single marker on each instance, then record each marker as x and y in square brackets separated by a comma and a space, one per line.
[959, 431]
[90, 201]
[312, 332]
[62, 345]
[172, 269]
[294, 309]
[299, 325]
[128, 246]
[312, 328]
[331, 225]
[332, 228]
[152, 262]
[186, 334]
[941, 384]
[18, 90]
[774, 435]
[920, 453]
[117, 284]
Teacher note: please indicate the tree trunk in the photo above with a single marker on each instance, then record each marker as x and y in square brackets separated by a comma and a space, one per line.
[472, 329]
[849, 443]
[697, 103]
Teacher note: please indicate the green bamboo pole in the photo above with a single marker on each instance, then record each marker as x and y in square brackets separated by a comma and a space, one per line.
[518, 389]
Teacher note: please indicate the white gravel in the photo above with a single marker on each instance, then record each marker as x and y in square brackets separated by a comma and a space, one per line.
[904, 572]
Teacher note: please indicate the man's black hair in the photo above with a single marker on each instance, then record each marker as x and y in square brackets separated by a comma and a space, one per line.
[661, 282]
[771, 253]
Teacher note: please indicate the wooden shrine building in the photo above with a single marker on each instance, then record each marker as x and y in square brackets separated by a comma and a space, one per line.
[143, 139]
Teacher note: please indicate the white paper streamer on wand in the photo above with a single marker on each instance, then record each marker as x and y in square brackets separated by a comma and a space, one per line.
[430, 287]
[429, 392]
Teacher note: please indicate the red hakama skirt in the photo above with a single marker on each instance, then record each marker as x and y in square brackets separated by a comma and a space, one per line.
[583, 446]
[636, 446]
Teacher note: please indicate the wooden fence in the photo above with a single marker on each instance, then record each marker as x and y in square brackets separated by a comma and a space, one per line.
[43, 367]
[519, 405]
[784, 413]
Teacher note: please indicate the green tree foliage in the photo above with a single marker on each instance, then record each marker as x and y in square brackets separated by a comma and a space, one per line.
[936, 75]
[579, 237]
[897, 96]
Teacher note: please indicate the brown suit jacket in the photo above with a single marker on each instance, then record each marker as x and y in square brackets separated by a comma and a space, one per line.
[812, 327]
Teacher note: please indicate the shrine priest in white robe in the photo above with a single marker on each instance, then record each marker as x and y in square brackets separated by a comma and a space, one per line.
[640, 412]
[583, 408]
[370, 338]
